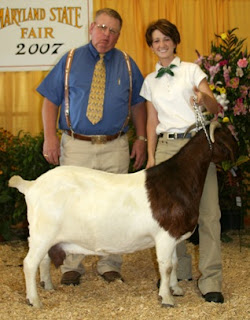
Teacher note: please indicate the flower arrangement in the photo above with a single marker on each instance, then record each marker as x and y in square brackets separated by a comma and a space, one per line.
[227, 67]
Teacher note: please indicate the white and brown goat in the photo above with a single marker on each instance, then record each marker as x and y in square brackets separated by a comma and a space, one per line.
[80, 210]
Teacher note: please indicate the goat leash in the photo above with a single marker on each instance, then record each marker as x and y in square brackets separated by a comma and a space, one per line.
[200, 119]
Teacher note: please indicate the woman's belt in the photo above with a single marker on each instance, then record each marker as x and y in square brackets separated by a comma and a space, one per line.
[95, 139]
[175, 135]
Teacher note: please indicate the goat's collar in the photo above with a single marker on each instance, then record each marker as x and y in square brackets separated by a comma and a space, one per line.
[199, 119]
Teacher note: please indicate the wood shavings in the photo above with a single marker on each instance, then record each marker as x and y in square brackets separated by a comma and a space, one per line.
[135, 299]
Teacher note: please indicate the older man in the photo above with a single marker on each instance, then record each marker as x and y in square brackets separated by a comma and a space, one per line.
[95, 127]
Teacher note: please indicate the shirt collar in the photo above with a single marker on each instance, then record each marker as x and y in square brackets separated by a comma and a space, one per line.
[95, 53]
[176, 61]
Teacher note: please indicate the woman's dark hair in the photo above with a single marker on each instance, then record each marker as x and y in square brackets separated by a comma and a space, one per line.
[165, 27]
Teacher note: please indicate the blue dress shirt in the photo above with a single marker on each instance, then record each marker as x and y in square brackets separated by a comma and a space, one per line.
[116, 92]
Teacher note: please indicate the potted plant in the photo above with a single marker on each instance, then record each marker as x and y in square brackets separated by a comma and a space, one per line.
[227, 69]
[20, 155]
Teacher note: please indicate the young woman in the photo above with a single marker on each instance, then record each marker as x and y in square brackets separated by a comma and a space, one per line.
[169, 92]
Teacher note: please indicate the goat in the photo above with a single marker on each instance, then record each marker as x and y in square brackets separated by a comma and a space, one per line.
[80, 210]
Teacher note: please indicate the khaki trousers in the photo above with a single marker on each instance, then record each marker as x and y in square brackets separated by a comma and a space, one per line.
[111, 157]
[209, 226]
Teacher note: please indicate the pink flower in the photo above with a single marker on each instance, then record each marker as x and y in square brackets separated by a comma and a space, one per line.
[210, 57]
[239, 108]
[218, 57]
[242, 63]
[226, 75]
[213, 70]
[207, 65]
[199, 60]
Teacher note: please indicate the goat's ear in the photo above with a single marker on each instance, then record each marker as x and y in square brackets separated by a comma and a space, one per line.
[231, 150]
[225, 137]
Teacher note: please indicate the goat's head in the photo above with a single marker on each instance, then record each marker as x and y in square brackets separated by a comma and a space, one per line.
[225, 146]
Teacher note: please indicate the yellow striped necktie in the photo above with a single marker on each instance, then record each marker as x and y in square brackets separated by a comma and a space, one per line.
[97, 92]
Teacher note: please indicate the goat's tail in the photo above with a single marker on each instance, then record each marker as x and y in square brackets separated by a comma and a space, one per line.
[19, 183]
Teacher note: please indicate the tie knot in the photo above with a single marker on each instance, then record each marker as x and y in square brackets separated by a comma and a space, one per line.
[168, 70]
[101, 56]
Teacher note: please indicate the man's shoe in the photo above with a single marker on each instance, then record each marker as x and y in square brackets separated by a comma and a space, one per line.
[213, 297]
[111, 276]
[71, 277]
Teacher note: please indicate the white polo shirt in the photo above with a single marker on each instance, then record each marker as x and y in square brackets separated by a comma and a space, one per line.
[170, 95]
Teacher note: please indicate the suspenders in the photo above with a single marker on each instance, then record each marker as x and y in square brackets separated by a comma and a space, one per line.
[66, 88]
[130, 89]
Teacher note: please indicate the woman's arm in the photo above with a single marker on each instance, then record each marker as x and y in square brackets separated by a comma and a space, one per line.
[205, 97]
[152, 122]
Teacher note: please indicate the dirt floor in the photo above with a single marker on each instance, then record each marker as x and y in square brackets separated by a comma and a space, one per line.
[136, 298]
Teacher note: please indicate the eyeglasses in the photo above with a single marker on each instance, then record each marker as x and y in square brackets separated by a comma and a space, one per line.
[103, 28]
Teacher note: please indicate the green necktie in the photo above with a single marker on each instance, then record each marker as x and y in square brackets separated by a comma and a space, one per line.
[166, 70]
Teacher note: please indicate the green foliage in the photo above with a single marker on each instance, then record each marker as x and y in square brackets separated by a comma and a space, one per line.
[19, 155]
[229, 46]
[233, 188]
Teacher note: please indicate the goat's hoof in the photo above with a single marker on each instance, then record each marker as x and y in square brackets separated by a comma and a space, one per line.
[178, 291]
[46, 286]
[167, 302]
[167, 305]
[28, 303]
[36, 304]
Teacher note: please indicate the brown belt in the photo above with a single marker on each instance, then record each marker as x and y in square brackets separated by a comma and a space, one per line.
[96, 139]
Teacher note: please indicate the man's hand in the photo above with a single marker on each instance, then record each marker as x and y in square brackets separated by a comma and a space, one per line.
[51, 150]
[138, 153]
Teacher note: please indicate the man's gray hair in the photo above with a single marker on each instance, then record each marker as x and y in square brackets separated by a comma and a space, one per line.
[110, 12]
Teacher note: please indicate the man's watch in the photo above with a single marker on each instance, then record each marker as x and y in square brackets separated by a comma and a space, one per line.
[141, 138]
